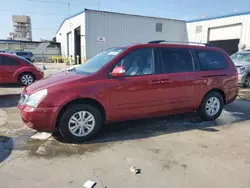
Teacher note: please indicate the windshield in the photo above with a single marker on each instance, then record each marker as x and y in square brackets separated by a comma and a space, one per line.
[241, 56]
[97, 62]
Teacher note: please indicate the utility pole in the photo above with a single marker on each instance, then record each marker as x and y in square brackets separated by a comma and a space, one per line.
[99, 4]
[69, 8]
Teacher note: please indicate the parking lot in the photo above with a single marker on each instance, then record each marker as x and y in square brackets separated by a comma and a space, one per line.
[173, 151]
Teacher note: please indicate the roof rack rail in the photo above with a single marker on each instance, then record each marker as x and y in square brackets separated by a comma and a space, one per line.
[178, 42]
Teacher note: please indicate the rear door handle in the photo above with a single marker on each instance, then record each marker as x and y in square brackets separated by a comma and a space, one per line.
[153, 82]
[166, 81]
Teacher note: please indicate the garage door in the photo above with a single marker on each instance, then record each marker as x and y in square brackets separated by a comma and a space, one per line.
[225, 33]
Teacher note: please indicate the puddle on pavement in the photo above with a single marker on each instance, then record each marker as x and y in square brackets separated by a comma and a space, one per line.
[48, 148]
[52, 148]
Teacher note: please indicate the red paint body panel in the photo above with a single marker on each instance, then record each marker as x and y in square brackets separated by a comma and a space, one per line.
[126, 98]
[10, 73]
[41, 119]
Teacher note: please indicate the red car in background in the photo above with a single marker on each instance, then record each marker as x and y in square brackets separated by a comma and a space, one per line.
[14, 69]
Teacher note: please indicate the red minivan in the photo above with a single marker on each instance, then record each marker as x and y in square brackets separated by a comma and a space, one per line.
[15, 69]
[131, 82]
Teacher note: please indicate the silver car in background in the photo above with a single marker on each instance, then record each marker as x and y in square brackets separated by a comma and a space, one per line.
[242, 63]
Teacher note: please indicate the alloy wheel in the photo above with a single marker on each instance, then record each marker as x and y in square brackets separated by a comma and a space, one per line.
[213, 106]
[27, 79]
[81, 123]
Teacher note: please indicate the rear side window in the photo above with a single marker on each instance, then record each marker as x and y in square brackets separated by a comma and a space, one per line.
[211, 60]
[8, 61]
[177, 60]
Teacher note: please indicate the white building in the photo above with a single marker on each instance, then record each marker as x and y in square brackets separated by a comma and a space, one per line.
[226, 31]
[90, 32]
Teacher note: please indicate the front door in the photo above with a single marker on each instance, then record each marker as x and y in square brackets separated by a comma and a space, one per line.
[179, 79]
[139, 93]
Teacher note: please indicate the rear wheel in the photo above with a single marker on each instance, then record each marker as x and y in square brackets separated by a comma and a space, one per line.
[26, 79]
[247, 81]
[211, 106]
[80, 123]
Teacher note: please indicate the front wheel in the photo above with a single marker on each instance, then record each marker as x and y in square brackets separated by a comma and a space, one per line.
[211, 106]
[247, 81]
[26, 79]
[80, 123]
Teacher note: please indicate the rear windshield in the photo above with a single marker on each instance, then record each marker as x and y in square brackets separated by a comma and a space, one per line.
[97, 62]
[211, 60]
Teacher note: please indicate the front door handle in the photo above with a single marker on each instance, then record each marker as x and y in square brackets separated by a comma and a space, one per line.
[153, 82]
[166, 81]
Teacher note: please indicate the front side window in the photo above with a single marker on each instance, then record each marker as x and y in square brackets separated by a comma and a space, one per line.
[8, 61]
[138, 62]
[177, 60]
[211, 60]
[97, 62]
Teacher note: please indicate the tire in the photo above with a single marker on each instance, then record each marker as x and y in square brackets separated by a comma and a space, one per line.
[26, 79]
[208, 103]
[79, 130]
[247, 81]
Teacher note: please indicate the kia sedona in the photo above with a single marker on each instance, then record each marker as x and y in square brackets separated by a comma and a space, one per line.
[131, 82]
[15, 69]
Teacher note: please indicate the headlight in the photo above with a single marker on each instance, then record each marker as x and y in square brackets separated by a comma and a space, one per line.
[34, 99]
[242, 70]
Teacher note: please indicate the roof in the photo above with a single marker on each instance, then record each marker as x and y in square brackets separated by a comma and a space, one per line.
[218, 17]
[21, 41]
[114, 13]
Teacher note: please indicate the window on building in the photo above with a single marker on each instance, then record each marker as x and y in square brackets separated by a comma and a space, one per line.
[177, 60]
[198, 29]
[158, 27]
[138, 62]
[211, 60]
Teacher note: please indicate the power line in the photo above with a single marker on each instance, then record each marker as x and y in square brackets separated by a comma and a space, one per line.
[55, 2]
[40, 13]
[58, 2]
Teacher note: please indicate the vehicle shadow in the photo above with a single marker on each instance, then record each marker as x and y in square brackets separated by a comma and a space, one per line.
[15, 85]
[6, 147]
[7, 101]
[139, 129]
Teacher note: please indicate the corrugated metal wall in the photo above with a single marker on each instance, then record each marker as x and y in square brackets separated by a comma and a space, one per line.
[195, 35]
[122, 29]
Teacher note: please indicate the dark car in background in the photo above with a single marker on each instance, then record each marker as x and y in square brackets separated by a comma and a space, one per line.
[27, 55]
[15, 69]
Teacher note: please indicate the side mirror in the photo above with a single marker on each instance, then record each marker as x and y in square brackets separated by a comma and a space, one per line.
[118, 72]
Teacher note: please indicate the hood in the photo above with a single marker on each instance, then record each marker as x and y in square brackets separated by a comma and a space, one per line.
[241, 63]
[56, 80]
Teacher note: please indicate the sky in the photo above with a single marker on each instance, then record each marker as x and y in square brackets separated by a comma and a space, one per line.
[47, 15]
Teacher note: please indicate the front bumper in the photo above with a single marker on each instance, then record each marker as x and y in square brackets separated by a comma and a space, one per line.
[41, 119]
